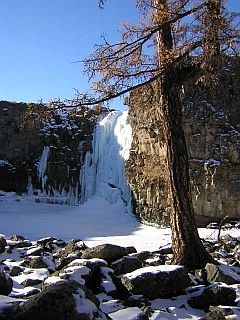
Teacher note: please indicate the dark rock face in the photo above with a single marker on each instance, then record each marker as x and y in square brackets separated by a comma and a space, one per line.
[25, 129]
[212, 132]
[157, 282]
[3, 244]
[6, 284]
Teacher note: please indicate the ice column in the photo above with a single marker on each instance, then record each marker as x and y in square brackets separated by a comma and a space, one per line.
[103, 171]
[42, 166]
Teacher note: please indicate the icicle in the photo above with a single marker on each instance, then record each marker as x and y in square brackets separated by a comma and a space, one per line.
[42, 166]
[103, 172]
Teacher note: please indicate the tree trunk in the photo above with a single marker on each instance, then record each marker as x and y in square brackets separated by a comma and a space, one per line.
[188, 249]
[212, 26]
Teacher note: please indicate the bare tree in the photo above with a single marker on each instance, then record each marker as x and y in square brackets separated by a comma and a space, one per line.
[174, 39]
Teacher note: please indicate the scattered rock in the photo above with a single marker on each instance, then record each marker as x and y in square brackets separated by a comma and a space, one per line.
[15, 270]
[3, 244]
[108, 252]
[31, 282]
[17, 238]
[126, 264]
[213, 295]
[6, 284]
[61, 301]
[73, 247]
[222, 273]
[157, 282]
[34, 262]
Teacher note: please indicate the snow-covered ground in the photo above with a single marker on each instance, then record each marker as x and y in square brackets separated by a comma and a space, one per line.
[95, 222]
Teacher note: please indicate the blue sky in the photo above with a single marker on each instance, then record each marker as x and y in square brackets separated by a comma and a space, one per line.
[41, 38]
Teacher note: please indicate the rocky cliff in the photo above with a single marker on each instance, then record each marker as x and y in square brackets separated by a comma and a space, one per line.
[212, 130]
[31, 134]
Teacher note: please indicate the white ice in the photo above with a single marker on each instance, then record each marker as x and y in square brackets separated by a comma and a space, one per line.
[103, 172]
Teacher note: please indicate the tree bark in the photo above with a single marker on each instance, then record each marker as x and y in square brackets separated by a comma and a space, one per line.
[188, 249]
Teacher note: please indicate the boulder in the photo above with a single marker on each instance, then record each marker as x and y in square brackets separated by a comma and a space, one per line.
[215, 315]
[63, 300]
[222, 273]
[34, 262]
[16, 237]
[73, 247]
[31, 282]
[8, 306]
[15, 270]
[3, 244]
[6, 284]
[108, 252]
[126, 264]
[213, 295]
[157, 281]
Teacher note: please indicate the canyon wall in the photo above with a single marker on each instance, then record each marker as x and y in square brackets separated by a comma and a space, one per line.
[31, 134]
[212, 129]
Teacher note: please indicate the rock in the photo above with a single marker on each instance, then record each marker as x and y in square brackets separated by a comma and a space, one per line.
[64, 300]
[130, 313]
[17, 238]
[15, 270]
[222, 273]
[34, 262]
[136, 301]
[73, 247]
[144, 255]
[35, 251]
[3, 244]
[65, 159]
[125, 265]
[8, 306]
[112, 285]
[213, 295]
[215, 315]
[21, 244]
[211, 130]
[31, 282]
[6, 284]
[42, 242]
[108, 252]
[157, 282]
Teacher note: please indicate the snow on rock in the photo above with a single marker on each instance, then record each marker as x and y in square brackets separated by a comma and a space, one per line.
[166, 280]
[223, 273]
[103, 172]
[133, 313]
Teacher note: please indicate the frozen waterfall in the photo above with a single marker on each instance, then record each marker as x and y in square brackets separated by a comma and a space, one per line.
[103, 171]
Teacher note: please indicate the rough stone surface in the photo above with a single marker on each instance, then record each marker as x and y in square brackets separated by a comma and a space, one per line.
[213, 295]
[126, 265]
[3, 244]
[57, 302]
[6, 284]
[157, 282]
[108, 252]
[222, 273]
[212, 131]
[24, 131]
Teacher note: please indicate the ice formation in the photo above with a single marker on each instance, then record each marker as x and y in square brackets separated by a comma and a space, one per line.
[103, 171]
[42, 166]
